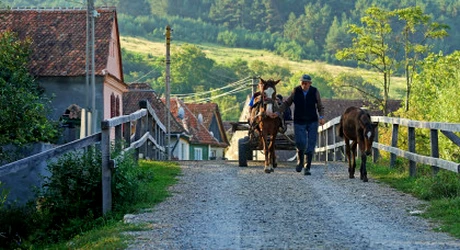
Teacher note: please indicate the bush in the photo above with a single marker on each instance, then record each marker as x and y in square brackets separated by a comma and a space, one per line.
[16, 222]
[125, 182]
[72, 191]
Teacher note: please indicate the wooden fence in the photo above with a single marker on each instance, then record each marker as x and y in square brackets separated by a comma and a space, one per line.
[331, 146]
[141, 131]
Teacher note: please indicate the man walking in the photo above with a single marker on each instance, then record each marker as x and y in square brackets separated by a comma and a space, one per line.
[308, 114]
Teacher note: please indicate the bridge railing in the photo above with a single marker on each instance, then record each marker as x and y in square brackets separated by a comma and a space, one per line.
[331, 146]
[141, 131]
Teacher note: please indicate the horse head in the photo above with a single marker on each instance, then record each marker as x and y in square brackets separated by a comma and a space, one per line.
[368, 129]
[268, 88]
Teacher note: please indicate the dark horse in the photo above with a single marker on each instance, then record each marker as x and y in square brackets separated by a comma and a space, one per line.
[355, 125]
[267, 126]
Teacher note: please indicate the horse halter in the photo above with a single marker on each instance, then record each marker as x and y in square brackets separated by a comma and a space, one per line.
[268, 93]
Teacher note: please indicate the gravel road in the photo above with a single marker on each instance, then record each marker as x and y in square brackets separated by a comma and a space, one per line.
[218, 205]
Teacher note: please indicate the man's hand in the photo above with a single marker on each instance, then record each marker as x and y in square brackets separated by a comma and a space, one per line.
[272, 115]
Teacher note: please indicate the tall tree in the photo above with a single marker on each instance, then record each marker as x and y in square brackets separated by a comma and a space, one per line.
[189, 69]
[23, 109]
[371, 47]
[226, 12]
[337, 37]
[417, 30]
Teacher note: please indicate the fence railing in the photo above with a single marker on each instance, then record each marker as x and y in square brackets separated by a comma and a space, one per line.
[331, 146]
[141, 131]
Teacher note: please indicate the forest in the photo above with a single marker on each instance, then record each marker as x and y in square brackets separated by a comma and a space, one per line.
[391, 38]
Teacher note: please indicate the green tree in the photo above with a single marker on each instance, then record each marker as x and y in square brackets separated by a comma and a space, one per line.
[134, 8]
[371, 47]
[353, 86]
[226, 12]
[241, 68]
[417, 30]
[337, 38]
[189, 69]
[435, 98]
[23, 108]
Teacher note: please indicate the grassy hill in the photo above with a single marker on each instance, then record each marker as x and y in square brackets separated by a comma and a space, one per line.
[224, 54]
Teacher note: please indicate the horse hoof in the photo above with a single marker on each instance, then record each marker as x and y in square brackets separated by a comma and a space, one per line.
[272, 170]
[351, 177]
[365, 180]
[267, 171]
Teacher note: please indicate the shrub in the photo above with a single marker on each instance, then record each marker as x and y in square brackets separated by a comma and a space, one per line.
[125, 182]
[72, 191]
[16, 222]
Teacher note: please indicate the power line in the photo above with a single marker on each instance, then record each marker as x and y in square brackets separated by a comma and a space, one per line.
[242, 82]
[207, 99]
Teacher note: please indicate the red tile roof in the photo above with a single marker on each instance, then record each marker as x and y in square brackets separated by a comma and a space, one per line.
[59, 38]
[142, 91]
[200, 134]
[208, 111]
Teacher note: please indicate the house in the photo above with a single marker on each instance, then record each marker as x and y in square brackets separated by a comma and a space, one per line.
[201, 141]
[179, 137]
[209, 114]
[58, 61]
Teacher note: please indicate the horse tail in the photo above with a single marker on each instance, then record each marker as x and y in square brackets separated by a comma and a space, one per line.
[340, 127]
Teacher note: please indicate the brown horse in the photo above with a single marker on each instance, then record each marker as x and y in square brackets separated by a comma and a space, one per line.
[267, 126]
[356, 125]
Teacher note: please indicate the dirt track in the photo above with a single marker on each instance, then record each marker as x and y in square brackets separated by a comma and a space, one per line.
[218, 205]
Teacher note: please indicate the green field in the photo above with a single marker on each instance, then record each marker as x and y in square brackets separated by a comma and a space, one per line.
[222, 54]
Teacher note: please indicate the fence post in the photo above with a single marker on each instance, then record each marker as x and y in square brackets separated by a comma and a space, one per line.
[411, 140]
[375, 151]
[106, 171]
[434, 148]
[394, 143]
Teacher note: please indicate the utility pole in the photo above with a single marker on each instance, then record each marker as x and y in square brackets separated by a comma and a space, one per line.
[91, 112]
[167, 78]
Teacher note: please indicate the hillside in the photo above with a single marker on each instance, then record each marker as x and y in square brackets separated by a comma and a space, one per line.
[222, 54]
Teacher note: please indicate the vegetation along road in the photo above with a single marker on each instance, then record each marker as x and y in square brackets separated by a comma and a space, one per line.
[218, 205]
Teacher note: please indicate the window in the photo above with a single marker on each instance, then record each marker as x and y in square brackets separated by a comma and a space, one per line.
[198, 152]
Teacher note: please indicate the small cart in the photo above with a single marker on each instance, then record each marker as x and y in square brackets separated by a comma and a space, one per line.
[246, 145]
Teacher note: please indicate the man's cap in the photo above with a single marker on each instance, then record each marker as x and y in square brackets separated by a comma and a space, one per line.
[305, 78]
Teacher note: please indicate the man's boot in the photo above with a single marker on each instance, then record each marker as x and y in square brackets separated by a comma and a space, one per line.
[306, 170]
[300, 160]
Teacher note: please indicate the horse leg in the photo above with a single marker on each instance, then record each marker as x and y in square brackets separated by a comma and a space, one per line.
[362, 169]
[271, 155]
[272, 150]
[266, 152]
[353, 164]
[348, 153]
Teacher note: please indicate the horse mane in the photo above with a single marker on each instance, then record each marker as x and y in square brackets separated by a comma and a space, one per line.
[364, 118]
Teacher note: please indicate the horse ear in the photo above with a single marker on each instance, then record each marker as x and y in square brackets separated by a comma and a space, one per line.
[262, 80]
[276, 82]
